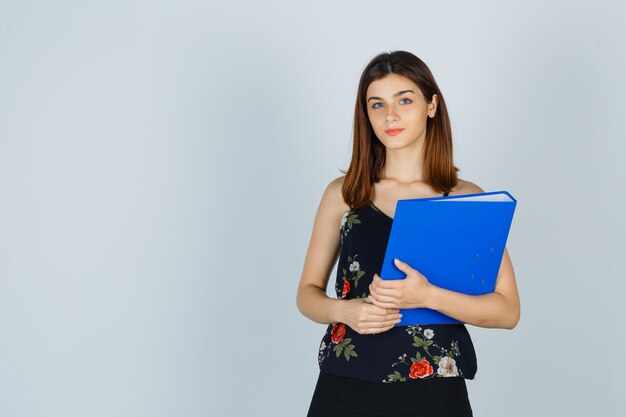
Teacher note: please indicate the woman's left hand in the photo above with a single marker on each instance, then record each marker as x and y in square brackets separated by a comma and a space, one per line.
[410, 292]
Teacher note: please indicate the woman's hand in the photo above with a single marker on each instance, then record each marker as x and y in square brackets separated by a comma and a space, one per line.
[410, 292]
[365, 318]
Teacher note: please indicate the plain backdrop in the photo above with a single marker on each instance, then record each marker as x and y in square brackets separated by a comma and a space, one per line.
[161, 164]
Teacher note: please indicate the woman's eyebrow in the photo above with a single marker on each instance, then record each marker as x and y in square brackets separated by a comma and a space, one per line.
[395, 95]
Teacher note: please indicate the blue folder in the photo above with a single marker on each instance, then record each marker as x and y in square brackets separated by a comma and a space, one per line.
[456, 242]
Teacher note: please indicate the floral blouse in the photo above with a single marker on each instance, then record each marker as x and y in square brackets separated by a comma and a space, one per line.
[403, 353]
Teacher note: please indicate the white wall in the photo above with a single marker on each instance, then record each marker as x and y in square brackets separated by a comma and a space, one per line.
[161, 164]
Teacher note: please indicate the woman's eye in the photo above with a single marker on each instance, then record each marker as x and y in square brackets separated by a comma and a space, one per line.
[374, 106]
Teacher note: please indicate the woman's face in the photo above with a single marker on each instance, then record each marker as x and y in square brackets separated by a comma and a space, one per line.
[396, 102]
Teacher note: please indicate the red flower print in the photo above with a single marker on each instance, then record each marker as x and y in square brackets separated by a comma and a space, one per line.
[338, 332]
[346, 287]
[421, 369]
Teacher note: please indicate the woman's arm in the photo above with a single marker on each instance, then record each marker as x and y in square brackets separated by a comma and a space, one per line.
[500, 309]
[321, 256]
[360, 314]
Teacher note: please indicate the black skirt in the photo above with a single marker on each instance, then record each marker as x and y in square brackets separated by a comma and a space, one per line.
[340, 396]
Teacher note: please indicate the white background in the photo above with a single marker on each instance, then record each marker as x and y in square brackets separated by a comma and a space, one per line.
[161, 164]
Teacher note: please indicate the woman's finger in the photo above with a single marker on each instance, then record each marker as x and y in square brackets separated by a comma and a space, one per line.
[385, 291]
[383, 304]
[377, 319]
[404, 267]
[379, 311]
[385, 298]
[384, 327]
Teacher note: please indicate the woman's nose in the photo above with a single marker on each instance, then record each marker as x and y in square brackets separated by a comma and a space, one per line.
[391, 116]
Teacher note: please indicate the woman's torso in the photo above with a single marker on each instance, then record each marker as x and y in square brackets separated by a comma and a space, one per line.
[403, 353]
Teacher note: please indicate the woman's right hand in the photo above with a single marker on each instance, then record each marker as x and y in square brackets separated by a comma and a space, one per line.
[365, 318]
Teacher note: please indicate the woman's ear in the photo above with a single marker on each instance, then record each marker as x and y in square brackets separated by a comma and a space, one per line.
[432, 106]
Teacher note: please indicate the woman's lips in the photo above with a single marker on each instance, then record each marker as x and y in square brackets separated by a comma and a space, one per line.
[393, 132]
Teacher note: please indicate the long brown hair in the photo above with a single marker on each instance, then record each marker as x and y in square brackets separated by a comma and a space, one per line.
[368, 153]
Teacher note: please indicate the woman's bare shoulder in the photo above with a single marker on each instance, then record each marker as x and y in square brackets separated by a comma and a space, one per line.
[335, 195]
[466, 187]
[332, 206]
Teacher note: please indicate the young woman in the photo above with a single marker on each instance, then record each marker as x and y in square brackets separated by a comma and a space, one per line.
[402, 149]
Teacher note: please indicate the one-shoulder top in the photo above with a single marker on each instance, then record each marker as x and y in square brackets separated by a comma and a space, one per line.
[403, 353]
